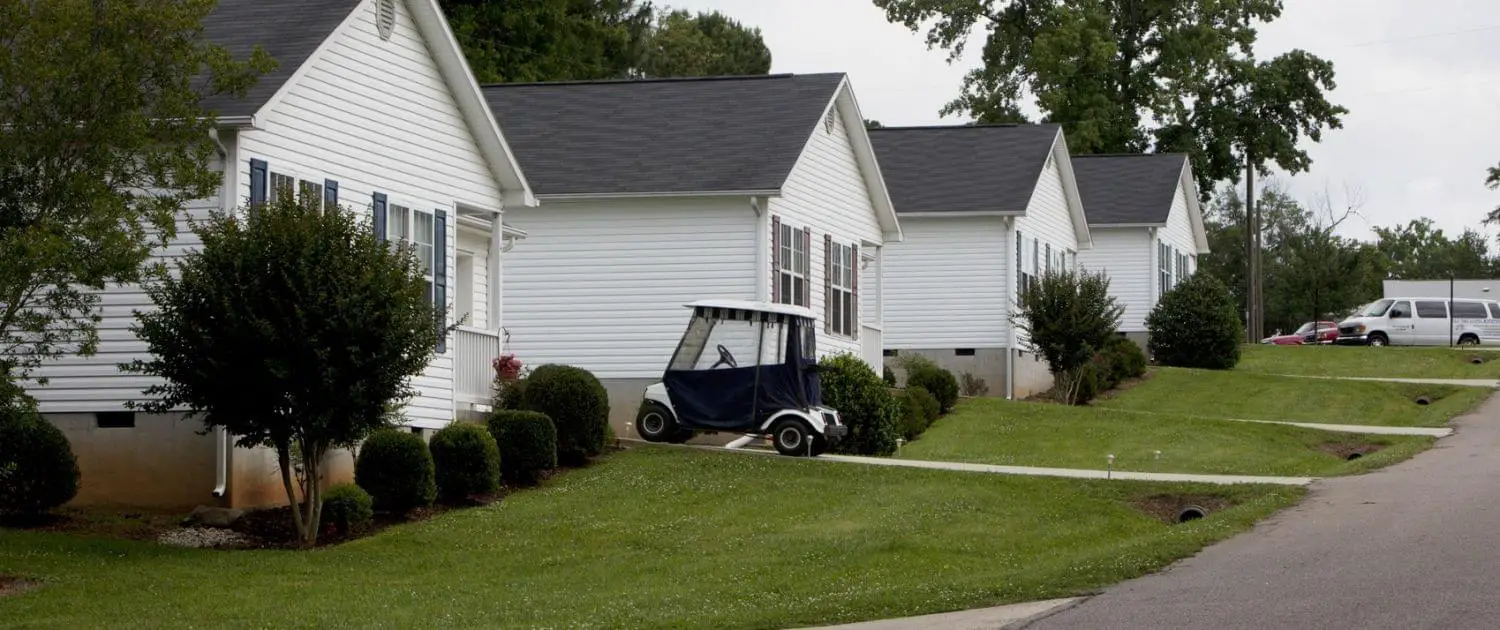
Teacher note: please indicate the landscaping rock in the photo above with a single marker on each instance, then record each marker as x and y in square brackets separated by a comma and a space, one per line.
[203, 537]
[206, 516]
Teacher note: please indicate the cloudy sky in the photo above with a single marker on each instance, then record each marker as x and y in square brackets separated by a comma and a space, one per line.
[1421, 81]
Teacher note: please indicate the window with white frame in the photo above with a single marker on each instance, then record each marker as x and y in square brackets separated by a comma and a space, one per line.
[794, 263]
[840, 309]
[1164, 264]
[416, 229]
[282, 185]
[1020, 271]
[309, 191]
[1048, 269]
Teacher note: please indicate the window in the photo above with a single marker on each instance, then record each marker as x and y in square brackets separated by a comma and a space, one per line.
[281, 185]
[1469, 310]
[1036, 253]
[1048, 270]
[1495, 310]
[115, 419]
[1020, 271]
[415, 228]
[963, 352]
[794, 263]
[1432, 309]
[1400, 310]
[839, 310]
[1164, 264]
[311, 193]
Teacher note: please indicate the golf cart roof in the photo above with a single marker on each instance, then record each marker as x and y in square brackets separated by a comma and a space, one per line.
[754, 307]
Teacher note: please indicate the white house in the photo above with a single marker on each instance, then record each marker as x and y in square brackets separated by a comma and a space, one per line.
[1147, 226]
[372, 107]
[985, 210]
[659, 193]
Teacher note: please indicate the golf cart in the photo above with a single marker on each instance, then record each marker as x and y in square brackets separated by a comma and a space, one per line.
[743, 367]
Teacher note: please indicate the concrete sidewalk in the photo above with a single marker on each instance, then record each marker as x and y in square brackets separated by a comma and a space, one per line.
[1075, 473]
[979, 619]
[1460, 382]
[1320, 426]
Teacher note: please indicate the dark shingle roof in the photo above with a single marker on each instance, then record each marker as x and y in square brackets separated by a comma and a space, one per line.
[714, 134]
[1128, 189]
[290, 30]
[972, 168]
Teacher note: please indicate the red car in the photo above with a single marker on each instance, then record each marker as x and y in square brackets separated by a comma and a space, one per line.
[1326, 332]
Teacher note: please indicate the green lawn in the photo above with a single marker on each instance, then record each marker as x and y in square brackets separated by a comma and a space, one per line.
[1235, 394]
[654, 538]
[1387, 362]
[996, 431]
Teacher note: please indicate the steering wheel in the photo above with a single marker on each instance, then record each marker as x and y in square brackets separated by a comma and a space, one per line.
[725, 358]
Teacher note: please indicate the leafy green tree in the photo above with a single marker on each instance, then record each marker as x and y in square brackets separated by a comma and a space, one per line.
[1127, 77]
[293, 329]
[550, 40]
[100, 101]
[702, 45]
[1068, 318]
[1418, 250]
[1493, 183]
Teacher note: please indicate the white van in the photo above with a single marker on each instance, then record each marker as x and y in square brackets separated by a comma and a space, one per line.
[1423, 322]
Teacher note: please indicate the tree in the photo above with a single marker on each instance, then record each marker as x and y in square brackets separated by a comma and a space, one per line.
[1493, 183]
[702, 45]
[72, 219]
[295, 329]
[550, 40]
[1419, 250]
[871, 123]
[1068, 318]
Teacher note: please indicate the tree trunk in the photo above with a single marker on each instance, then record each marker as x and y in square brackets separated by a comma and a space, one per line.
[312, 492]
[284, 460]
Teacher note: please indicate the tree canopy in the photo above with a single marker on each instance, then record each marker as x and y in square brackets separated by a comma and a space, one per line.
[101, 100]
[1129, 76]
[1493, 183]
[703, 45]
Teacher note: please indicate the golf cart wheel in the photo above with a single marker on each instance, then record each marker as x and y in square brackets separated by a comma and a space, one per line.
[1378, 339]
[655, 422]
[792, 437]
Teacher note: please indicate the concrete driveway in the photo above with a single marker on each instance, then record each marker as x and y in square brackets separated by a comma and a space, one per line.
[1416, 545]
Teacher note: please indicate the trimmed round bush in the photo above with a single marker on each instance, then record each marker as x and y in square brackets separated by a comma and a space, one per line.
[36, 462]
[1196, 325]
[466, 461]
[919, 409]
[528, 445]
[396, 468]
[939, 382]
[864, 403]
[578, 406]
[348, 508]
[509, 395]
[1126, 359]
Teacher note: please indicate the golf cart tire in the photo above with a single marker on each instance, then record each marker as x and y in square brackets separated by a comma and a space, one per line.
[791, 437]
[655, 423]
[820, 445]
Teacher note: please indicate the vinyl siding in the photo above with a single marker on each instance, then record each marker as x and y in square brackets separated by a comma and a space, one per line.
[376, 115]
[1048, 220]
[1179, 229]
[826, 193]
[601, 284]
[946, 284]
[477, 245]
[1125, 255]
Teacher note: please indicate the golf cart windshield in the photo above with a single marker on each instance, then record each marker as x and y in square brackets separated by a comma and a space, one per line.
[733, 367]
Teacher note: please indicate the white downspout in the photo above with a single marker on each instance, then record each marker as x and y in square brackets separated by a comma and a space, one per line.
[1010, 300]
[759, 205]
[226, 197]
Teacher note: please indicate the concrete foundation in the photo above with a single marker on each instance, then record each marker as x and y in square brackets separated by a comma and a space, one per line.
[989, 364]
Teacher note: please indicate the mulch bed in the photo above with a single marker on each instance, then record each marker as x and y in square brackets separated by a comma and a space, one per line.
[1166, 507]
[13, 585]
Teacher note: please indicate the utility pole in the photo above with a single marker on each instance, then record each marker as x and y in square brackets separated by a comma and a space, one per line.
[1253, 303]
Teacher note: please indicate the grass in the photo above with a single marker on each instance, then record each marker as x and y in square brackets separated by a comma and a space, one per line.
[654, 537]
[1232, 394]
[1360, 361]
[995, 431]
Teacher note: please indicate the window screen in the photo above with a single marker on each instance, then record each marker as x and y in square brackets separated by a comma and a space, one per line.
[1432, 309]
[1473, 310]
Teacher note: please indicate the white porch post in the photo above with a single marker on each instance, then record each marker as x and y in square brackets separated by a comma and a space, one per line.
[496, 282]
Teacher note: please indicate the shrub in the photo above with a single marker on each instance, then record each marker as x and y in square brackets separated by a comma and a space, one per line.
[971, 386]
[1088, 383]
[888, 376]
[528, 445]
[1196, 325]
[37, 462]
[509, 394]
[578, 406]
[1126, 359]
[922, 372]
[396, 468]
[1068, 317]
[466, 461]
[919, 409]
[864, 403]
[347, 508]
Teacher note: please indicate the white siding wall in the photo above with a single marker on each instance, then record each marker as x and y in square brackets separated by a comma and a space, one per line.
[946, 284]
[377, 116]
[1126, 256]
[826, 193]
[1178, 232]
[477, 245]
[601, 285]
[1048, 220]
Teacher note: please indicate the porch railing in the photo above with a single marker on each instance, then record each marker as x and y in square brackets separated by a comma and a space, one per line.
[474, 351]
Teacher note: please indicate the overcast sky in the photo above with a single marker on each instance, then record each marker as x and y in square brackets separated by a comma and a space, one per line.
[1421, 81]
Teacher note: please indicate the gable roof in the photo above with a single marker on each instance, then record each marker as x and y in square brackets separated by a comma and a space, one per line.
[295, 31]
[965, 168]
[639, 137]
[290, 30]
[1129, 189]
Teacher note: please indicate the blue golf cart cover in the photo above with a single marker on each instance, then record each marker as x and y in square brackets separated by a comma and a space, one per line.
[742, 398]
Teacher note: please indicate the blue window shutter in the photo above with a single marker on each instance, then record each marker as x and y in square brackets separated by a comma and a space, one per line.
[330, 194]
[258, 171]
[440, 275]
[378, 209]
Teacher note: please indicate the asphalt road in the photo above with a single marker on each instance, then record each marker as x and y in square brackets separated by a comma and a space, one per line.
[1416, 545]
